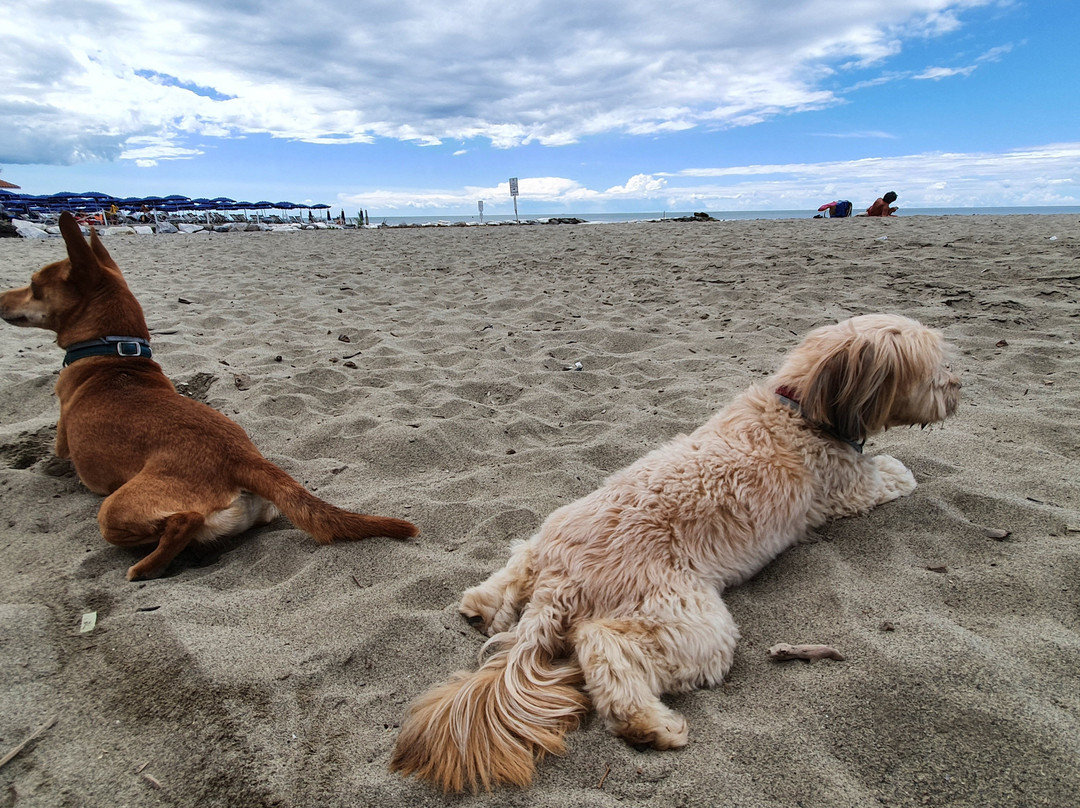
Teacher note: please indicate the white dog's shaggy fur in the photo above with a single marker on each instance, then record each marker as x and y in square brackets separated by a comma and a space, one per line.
[619, 592]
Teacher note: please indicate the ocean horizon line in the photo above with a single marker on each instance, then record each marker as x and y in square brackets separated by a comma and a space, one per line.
[725, 215]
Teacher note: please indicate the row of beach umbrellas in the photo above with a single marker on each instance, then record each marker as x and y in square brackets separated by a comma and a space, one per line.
[95, 202]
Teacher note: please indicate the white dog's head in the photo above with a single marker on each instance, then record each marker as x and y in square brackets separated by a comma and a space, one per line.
[869, 373]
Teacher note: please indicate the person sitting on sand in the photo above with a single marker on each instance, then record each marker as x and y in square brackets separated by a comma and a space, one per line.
[881, 205]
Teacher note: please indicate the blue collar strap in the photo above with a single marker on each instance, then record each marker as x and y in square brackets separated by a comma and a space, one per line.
[132, 347]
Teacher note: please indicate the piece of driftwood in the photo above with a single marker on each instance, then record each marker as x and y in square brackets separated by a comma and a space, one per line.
[783, 652]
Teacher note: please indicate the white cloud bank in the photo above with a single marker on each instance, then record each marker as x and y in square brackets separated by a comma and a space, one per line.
[1046, 175]
[113, 80]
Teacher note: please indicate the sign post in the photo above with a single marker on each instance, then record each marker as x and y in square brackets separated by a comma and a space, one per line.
[480, 205]
[514, 193]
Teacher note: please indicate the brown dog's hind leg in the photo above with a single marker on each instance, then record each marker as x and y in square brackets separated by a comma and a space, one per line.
[151, 510]
[177, 531]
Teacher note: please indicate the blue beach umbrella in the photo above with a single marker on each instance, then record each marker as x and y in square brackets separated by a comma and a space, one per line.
[203, 205]
[17, 203]
[286, 206]
[96, 200]
[58, 202]
[176, 202]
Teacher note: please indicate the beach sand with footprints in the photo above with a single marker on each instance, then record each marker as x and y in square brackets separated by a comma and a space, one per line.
[474, 379]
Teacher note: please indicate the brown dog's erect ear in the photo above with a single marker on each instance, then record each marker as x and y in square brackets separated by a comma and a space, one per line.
[100, 251]
[852, 389]
[86, 257]
[79, 251]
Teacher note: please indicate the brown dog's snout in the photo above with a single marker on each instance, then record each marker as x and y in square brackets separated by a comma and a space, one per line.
[14, 306]
[7, 303]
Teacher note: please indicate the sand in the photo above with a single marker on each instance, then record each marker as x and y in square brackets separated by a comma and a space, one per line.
[422, 373]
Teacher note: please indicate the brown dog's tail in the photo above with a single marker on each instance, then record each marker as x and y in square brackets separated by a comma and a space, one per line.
[487, 727]
[305, 510]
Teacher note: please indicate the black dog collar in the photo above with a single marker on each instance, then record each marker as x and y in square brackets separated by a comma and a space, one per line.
[131, 347]
[787, 397]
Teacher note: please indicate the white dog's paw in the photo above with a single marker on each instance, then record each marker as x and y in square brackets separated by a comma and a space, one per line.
[896, 479]
[488, 610]
[478, 606]
[672, 732]
[660, 728]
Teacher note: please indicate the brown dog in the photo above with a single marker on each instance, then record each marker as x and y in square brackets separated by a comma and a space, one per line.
[173, 470]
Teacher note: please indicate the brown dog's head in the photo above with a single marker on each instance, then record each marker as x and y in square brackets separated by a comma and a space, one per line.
[869, 373]
[81, 297]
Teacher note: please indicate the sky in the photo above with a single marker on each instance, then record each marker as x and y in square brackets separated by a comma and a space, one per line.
[407, 107]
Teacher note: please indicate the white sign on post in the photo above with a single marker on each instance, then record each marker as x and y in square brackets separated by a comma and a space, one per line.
[514, 194]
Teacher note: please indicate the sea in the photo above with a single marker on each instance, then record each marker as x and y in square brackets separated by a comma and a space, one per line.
[725, 215]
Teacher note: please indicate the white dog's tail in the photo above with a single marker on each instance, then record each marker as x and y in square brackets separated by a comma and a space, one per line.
[489, 726]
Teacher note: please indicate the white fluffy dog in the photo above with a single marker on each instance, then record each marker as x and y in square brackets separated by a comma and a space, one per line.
[619, 592]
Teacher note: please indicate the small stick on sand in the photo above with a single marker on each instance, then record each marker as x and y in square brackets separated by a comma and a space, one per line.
[153, 781]
[783, 652]
[33, 736]
[607, 771]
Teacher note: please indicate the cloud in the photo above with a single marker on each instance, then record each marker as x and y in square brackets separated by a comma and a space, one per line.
[1044, 175]
[1029, 176]
[937, 73]
[865, 134]
[83, 80]
[150, 149]
[995, 54]
[640, 185]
